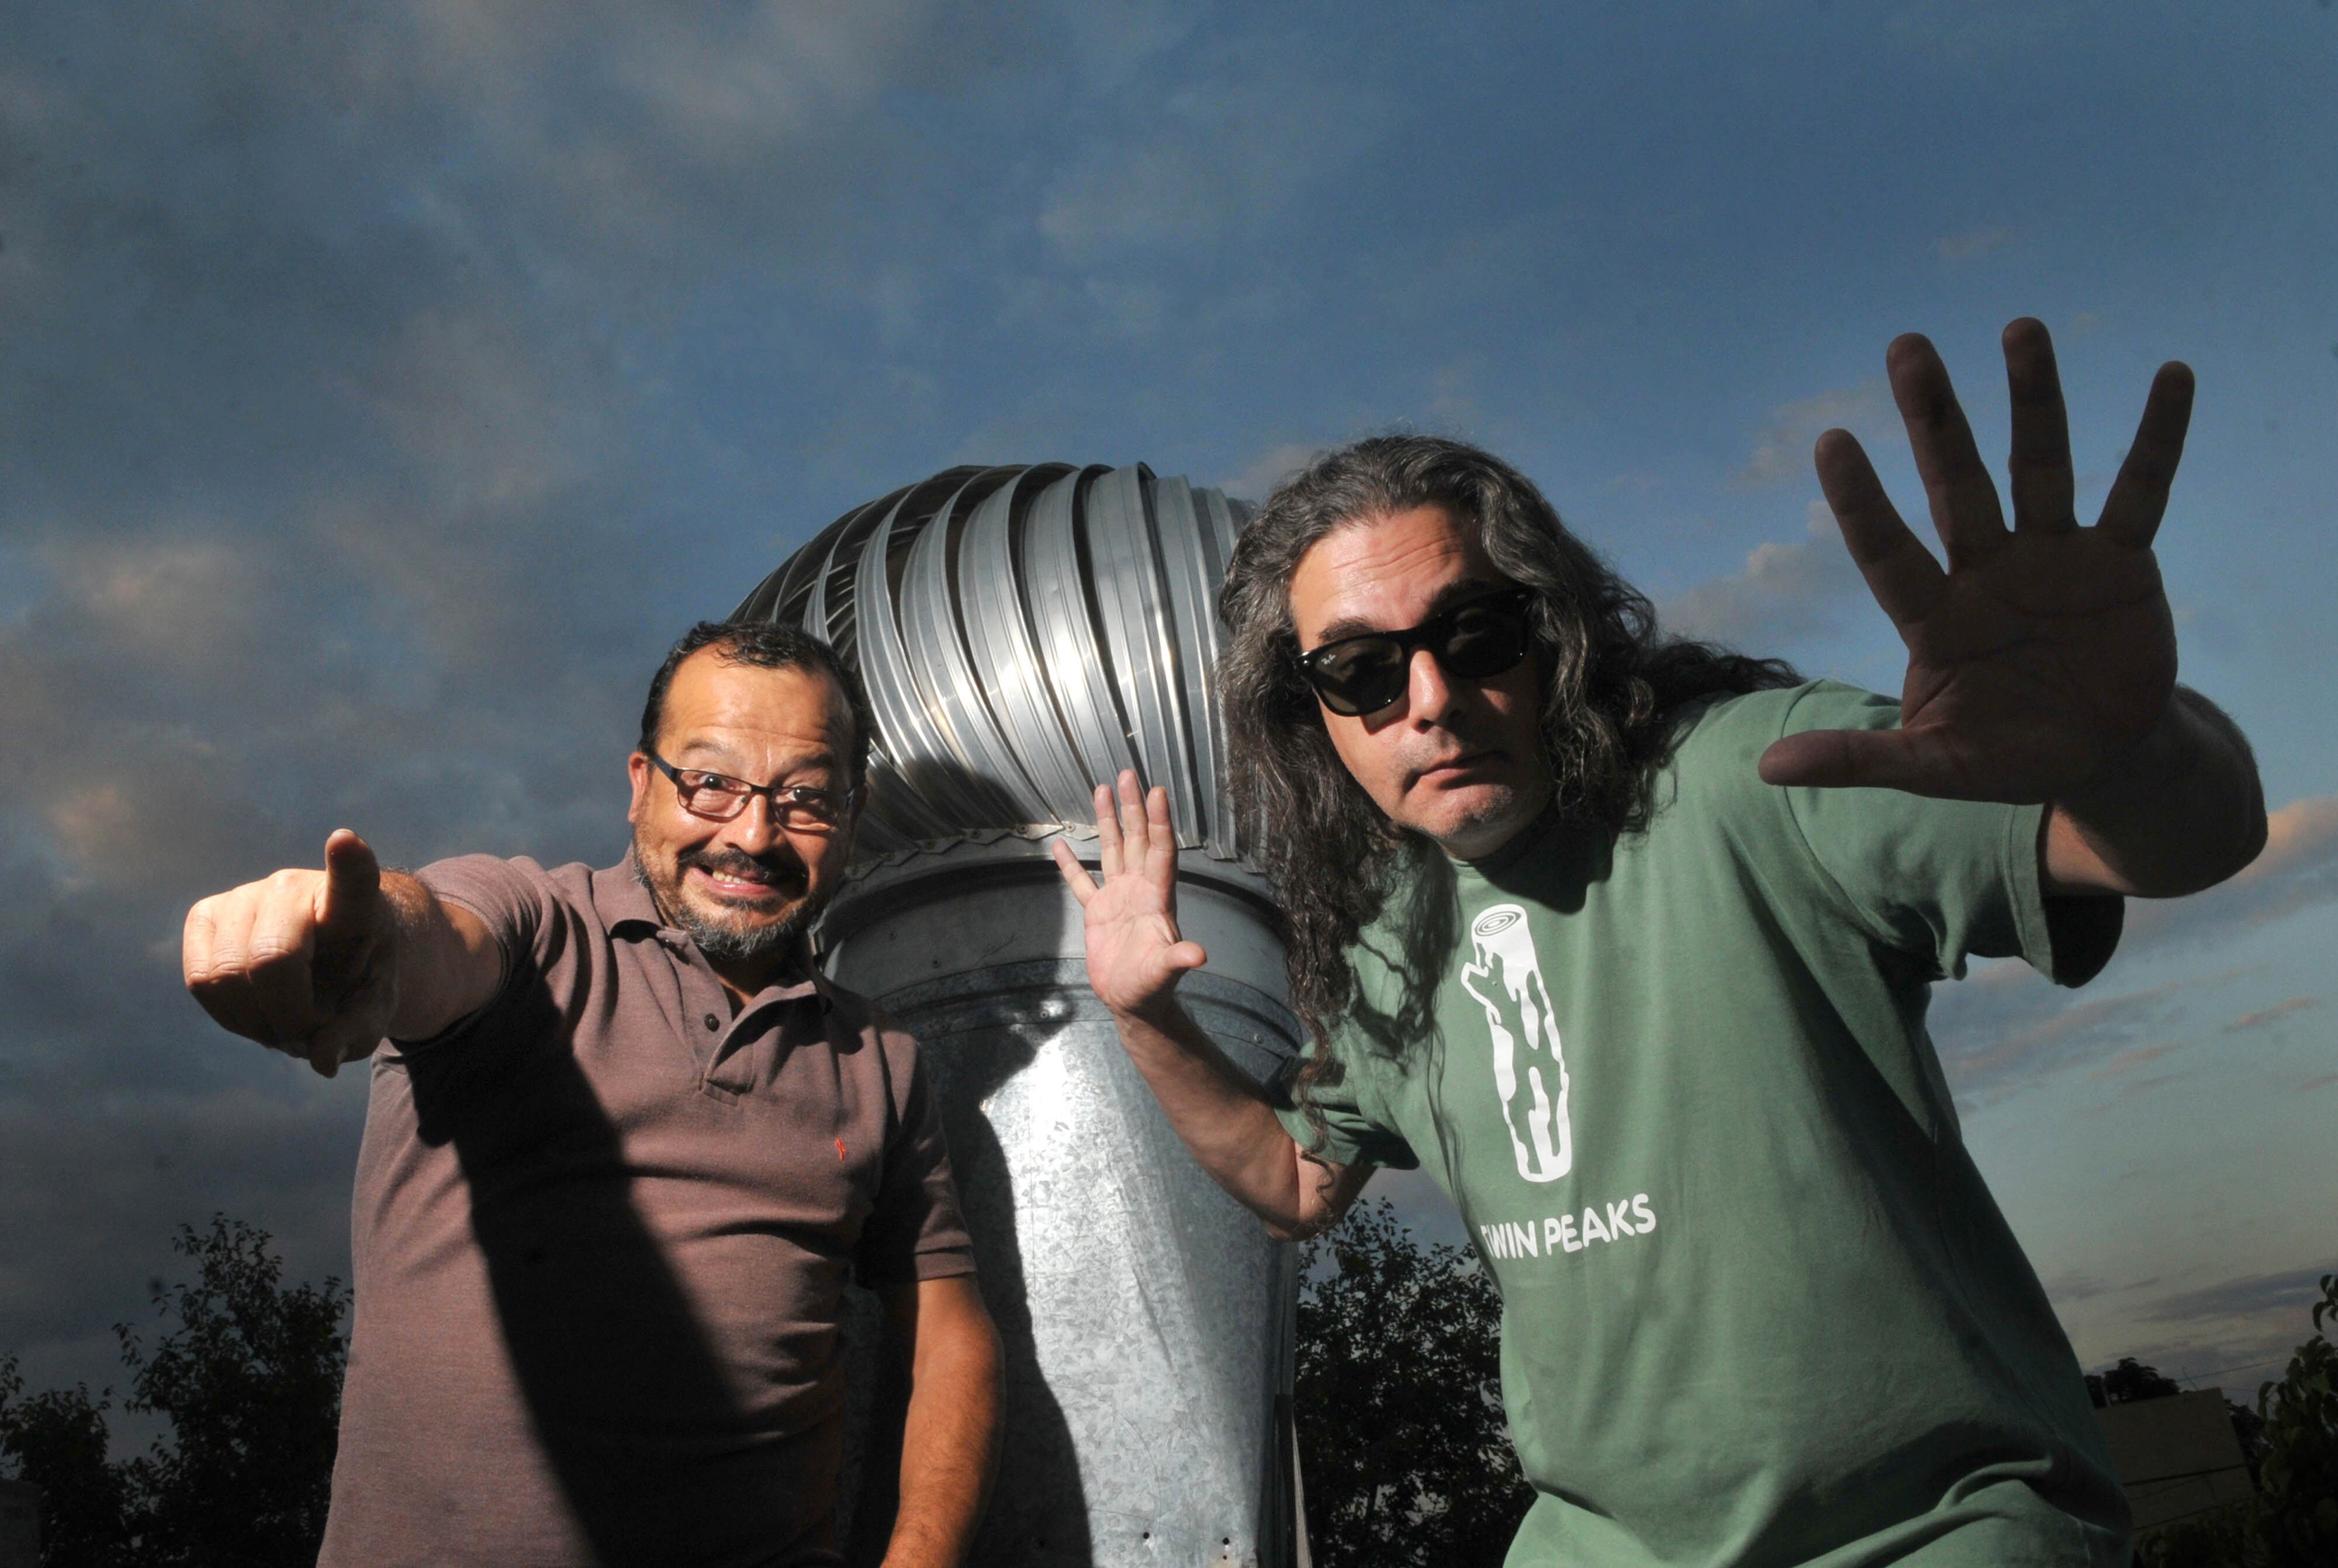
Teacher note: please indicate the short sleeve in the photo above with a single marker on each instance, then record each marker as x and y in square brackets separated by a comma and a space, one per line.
[1354, 1129]
[917, 1229]
[516, 900]
[1939, 880]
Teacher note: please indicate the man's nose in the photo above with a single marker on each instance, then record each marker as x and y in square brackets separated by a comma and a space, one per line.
[1429, 692]
[755, 828]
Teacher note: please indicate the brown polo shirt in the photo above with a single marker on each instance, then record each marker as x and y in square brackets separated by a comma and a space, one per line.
[601, 1233]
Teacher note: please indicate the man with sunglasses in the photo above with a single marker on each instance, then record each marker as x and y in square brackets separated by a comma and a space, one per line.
[1627, 942]
[626, 1145]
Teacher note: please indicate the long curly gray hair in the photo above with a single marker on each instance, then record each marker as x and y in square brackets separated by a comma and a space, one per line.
[1612, 686]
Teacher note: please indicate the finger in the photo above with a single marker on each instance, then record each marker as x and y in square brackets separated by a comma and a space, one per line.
[2039, 466]
[206, 958]
[2138, 496]
[1899, 572]
[1965, 512]
[1185, 956]
[1075, 876]
[1160, 835]
[343, 1040]
[1107, 833]
[1850, 759]
[352, 880]
[1133, 842]
[195, 942]
[280, 966]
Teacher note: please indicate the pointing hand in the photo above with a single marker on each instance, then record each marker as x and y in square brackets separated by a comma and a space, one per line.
[304, 962]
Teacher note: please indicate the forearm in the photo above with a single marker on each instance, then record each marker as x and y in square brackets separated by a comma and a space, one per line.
[948, 1445]
[446, 963]
[2181, 810]
[1227, 1122]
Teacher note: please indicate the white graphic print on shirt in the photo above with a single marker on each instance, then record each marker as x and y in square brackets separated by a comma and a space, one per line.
[1529, 1068]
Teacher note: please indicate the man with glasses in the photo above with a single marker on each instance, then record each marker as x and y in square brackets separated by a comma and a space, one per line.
[1627, 942]
[624, 1147]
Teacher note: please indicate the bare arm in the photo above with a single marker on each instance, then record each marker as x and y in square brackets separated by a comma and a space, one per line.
[324, 965]
[949, 1441]
[2183, 810]
[1135, 958]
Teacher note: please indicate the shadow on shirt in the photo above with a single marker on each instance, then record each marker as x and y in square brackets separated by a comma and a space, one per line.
[625, 1395]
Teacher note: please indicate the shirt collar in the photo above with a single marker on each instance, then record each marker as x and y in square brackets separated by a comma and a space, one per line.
[626, 909]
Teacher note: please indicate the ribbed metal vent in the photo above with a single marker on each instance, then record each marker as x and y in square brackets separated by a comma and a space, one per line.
[1024, 634]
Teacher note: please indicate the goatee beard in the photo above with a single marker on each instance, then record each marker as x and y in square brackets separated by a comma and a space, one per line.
[724, 944]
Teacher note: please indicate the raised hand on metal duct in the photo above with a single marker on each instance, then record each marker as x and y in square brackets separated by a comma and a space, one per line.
[1627, 942]
[1135, 957]
[623, 1147]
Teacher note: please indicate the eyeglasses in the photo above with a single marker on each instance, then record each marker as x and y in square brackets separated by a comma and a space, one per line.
[719, 798]
[1364, 673]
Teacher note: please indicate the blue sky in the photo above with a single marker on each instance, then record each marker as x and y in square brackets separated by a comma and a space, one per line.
[382, 387]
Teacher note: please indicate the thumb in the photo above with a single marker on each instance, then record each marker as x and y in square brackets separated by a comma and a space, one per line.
[1845, 759]
[1185, 956]
[352, 877]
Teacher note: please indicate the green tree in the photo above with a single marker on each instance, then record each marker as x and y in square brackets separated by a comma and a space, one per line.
[2292, 1522]
[249, 1377]
[57, 1439]
[2129, 1381]
[2297, 1477]
[1403, 1450]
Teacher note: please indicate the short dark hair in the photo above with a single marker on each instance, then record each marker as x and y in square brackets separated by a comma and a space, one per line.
[765, 646]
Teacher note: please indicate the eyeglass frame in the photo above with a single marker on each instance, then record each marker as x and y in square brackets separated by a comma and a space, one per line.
[780, 810]
[1411, 639]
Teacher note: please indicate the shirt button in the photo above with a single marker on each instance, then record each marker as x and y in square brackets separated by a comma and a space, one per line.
[712, 1022]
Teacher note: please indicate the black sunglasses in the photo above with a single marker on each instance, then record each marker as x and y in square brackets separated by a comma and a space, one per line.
[1364, 673]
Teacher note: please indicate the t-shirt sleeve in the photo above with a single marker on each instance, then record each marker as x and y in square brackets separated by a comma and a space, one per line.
[1938, 880]
[1350, 1126]
[917, 1229]
[516, 900]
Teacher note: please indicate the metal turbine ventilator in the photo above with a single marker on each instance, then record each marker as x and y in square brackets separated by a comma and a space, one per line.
[1026, 633]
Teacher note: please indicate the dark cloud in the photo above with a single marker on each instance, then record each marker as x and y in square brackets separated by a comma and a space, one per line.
[346, 487]
[2291, 1292]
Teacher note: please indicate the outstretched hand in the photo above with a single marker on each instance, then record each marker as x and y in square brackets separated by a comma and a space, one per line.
[2044, 651]
[301, 961]
[1135, 955]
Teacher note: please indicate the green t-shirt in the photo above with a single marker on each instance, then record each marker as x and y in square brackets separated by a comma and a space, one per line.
[1758, 1307]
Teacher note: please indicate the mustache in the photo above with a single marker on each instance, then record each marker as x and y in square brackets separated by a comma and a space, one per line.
[743, 867]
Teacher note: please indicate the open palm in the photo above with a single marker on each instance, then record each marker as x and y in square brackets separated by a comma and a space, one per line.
[1135, 954]
[2044, 651]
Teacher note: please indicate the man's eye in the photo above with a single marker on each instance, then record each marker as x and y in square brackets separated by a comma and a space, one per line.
[1358, 658]
[714, 781]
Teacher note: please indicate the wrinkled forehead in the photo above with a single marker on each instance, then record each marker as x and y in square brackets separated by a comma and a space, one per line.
[1386, 572]
[748, 713]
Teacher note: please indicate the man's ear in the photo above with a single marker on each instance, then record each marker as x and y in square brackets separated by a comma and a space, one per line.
[639, 771]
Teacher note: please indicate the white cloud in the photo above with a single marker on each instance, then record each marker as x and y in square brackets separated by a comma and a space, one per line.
[1784, 592]
[1782, 450]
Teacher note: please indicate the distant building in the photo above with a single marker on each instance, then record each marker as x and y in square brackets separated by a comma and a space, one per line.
[20, 1524]
[2176, 1455]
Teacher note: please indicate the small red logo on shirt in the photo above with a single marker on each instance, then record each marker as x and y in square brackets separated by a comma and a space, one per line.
[840, 1149]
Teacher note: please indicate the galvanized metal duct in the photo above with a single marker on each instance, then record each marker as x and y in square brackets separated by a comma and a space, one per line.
[1025, 633]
